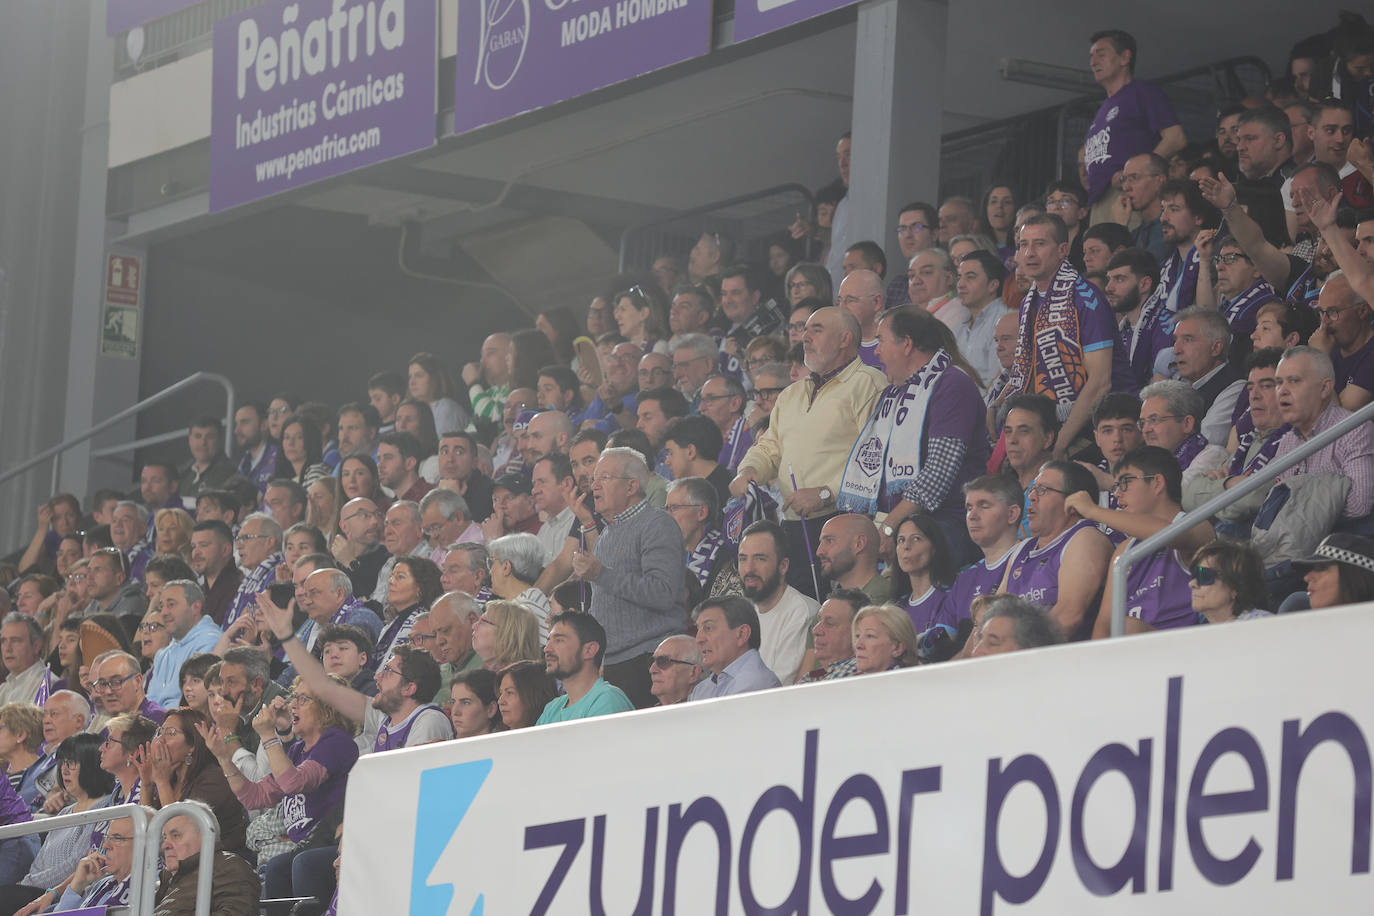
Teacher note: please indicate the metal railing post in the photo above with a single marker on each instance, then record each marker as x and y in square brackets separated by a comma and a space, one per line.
[1261, 478]
[205, 868]
[136, 813]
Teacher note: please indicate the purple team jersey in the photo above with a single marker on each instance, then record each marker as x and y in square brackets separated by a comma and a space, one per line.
[1126, 124]
[929, 609]
[1157, 591]
[1356, 369]
[1035, 569]
[868, 353]
[975, 580]
[336, 752]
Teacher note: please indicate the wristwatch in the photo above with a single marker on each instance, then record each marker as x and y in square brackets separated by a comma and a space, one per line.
[887, 530]
[826, 495]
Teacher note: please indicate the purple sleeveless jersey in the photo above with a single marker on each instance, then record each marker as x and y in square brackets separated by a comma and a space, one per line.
[1035, 569]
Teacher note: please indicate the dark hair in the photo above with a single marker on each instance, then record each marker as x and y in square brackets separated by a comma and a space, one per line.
[1064, 186]
[366, 461]
[569, 595]
[670, 401]
[115, 556]
[856, 598]
[99, 537]
[220, 529]
[371, 418]
[942, 567]
[699, 431]
[983, 225]
[314, 442]
[1197, 205]
[1041, 406]
[927, 211]
[441, 386]
[484, 685]
[773, 530]
[209, 421]
[170, 567]
[344, 632]
[196, 666]
[1155, 461]
[318, 545]
[1138, 261]
[738, 611]
[588, 629]
[419, 668]
[1114, 235]
[590, 434]
[1271, 117]
[565, 379]
[426, 580]
[296, 493]
[390, 382]
[405, 443]
[635, 439]
[530, 350]
[1076, 478]
[1122, 41]
[991, 264]
[1116, 405]
[1057, 227]
[427, 438]
[1240, 568]
[565, 328]
[84, 750]
[226, 501]
[533, 684]
[872, 253]
[1328, 178]
[559, 465]
[1264, 358]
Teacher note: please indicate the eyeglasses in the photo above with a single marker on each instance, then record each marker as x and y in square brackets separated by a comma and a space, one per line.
[713, 398]
[1330, 313]
[1121, 485]
[151, 627]
[664, 662]
[432, 530]
[1203, 575]
[117, 839]
[1039, 489]
[1229, 259]
[420, 638]
[1156, 419]
[1061, 204]
[912, 229]
[680, 506]
[365, 513]
[798, 284]
[278, 411]
[768, 392]
[299, 699]
[102, 685]
[168, 730]
[387, 669]
[485, 620]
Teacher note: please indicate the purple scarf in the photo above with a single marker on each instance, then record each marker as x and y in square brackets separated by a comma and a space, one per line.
[741, 512]
[702, 558]
[1245, 437]
[736, 444]
[1189, 449]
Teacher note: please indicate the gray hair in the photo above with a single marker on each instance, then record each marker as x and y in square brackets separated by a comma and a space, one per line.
[35, 628]
[142, 512]
[1320, 360]
[733, 389]
[816, 275]
[254, 663]
[189, 588]
[1031, 625]
[523, 552]
[1213, 322]
[700, 492]
[131, 664]
[449, 503]
[775, 370]
[478, 555]
[977, 240]
[687, 646]
[76, 703]
[1181, 398]
[338, 579]
[1355, 297]
[269, 527]
[939, 254]
[631, 465]
[463, 604]
[409, 506]
[195, 824]
[701, 344]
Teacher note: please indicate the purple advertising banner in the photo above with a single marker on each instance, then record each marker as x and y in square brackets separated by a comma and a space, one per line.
[310, 89]
[122, 15]
[518, 55]
[759, 17]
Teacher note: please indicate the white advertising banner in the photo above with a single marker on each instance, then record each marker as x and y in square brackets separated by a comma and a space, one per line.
[1221, 769]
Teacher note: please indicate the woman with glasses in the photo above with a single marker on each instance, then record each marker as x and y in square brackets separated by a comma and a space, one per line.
[505, 633]
[152, 636]
[310, 775]
[1226, 579]
[88, 786]
[526, 689]
[808, 281]
[177, 765]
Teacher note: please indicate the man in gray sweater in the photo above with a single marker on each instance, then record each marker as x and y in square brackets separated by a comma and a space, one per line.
[637, 570]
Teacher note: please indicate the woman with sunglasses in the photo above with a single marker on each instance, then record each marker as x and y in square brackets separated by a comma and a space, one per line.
[177, 765]
[88, 786]
[311, 774]
[1226, 580]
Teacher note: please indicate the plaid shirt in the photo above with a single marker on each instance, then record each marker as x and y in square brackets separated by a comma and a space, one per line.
[1351, 455]
[845, 667]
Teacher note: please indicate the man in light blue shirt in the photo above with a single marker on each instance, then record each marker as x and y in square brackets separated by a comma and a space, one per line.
[577, 645]
[192, 632]
[728, 636]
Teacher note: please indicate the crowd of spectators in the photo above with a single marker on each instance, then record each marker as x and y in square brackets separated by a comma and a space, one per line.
[729, 477]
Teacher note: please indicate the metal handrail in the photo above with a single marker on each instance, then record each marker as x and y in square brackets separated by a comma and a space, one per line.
[209, 839]
[195, 378]
[1261, 478]
[136, 813]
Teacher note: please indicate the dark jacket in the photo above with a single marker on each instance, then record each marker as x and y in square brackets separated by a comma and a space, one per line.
[235, 889]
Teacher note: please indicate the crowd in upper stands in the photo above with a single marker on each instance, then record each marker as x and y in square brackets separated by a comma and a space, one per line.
[730, 476]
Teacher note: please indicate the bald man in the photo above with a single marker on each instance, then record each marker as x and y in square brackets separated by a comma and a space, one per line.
[488, 381]
[548, 432]
[358, 547]
[861, 295]
[848, 556]
[674, 669]
[814, 425]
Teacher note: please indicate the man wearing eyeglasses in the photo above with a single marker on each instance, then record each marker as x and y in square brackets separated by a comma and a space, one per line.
[1240, 291]
[916, 231]
[674, 669]
[1063, 566]
[192, 632]
[259, 550]
[1171, 418]
[1348, 338]
[117, 681]
[722, 402]
[1149, 490]
[359, 551]
[861, 295]
[694, 360]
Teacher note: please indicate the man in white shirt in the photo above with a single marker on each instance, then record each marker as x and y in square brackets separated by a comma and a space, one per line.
[784, 613]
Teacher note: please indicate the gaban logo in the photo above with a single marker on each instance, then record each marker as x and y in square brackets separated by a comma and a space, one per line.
[446, 793]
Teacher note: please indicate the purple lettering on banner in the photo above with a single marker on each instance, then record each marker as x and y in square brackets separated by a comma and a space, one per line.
[122, 15]
[311, 89]
[759, 17]
[519, 55]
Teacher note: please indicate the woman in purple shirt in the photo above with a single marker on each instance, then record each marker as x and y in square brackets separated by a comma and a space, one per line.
[926, 573]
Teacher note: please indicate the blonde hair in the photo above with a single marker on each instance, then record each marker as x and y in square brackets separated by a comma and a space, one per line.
[899, 629]
[184, 525]
[26, 718]
[517, 633]
[328, 715]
